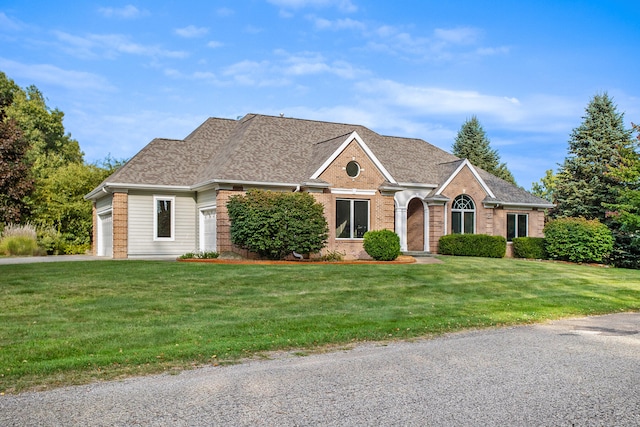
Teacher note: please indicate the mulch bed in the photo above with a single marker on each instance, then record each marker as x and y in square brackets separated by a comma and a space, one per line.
[402, 259]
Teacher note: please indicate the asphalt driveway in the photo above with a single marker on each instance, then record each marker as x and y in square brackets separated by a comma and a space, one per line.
[578, 372]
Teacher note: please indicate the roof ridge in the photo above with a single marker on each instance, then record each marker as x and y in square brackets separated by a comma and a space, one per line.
[308, 120]
[331, 139]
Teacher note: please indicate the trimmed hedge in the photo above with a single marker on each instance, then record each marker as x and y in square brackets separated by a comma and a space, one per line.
[382, 245]
[529, 247]
[480, 245]
[578, 240]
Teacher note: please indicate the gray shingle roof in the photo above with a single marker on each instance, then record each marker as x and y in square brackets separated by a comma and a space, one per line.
[270, 149]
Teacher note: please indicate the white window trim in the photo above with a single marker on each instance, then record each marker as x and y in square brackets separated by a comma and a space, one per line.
[351, 219]
[516, 225]
[172, 199]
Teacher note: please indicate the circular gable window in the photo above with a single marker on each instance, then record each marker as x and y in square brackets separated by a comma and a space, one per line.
[353, 169]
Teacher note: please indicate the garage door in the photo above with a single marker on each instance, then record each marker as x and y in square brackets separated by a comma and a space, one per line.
[208, 230]
[105, 234]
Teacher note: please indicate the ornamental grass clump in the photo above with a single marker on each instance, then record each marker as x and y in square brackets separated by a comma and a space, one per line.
[382, 245]
[19, 240]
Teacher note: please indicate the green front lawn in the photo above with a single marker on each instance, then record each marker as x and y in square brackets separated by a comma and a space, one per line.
[73, 322]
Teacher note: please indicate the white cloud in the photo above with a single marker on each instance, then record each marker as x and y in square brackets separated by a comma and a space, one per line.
[50, 74]
[310, 63]
[126, 12]
[110, 46]
[214, 44]
[225, 12]
[191, 31]
[439, 101]
[338, 24]
[461, 35]
[9, 24]
[342, 5]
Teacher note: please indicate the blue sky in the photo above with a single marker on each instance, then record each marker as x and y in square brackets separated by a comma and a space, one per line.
[126, 72]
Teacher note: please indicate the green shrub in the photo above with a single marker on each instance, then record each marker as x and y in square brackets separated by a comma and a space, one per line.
[578, 240]
[480, 245]
[50, 240]
[274, 225]
[382, 245]
[529, 247]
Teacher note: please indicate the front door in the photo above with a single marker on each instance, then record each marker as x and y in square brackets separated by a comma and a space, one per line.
[415, 225]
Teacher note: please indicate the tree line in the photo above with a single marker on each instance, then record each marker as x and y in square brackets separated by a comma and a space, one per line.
[599, 179]
[43, 174]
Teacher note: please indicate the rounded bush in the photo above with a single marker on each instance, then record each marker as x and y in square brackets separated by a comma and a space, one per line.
[578, 240]
[382, 245]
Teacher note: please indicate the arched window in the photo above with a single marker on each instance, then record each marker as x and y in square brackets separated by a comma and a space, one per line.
[463, 215]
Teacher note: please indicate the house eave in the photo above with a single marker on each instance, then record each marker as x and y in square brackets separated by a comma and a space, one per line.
[110, 187]
[230, 183]
[516, 205]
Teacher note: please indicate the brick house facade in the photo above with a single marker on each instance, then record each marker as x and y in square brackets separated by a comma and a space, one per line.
[171, 197]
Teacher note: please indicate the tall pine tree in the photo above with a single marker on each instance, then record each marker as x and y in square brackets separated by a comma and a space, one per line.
[597, 148]
[472, 144]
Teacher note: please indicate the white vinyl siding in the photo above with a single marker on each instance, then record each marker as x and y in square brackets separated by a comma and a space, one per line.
[142, 241]
[104, 203]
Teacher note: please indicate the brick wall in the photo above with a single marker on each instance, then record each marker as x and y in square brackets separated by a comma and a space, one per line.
[382, 211]
[120, 226]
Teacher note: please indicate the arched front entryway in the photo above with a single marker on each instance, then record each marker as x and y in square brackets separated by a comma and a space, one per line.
[415, 225]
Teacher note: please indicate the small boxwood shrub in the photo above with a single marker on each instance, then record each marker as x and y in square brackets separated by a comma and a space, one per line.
[480, 245]
[382, 245]
[529, 247]
[578, 240]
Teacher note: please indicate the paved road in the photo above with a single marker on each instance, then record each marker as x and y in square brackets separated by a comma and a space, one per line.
[579, 372]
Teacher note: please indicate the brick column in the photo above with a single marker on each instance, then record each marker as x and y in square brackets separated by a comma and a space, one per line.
[120, 226]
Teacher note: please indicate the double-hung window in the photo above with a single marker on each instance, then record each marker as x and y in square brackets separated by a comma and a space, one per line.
[164, 217]
[352, 218]
[517, 226]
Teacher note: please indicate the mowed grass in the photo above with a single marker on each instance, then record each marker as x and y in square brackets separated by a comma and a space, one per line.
[74, 322]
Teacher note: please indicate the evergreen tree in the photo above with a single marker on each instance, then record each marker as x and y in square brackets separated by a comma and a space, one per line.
[597, 148]
[472, 144]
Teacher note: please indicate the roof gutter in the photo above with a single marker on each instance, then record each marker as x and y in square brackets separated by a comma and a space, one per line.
[496, 204]
[109, 188]
[217, 183]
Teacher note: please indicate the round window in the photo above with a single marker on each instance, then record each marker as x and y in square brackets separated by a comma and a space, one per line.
[353, 169]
